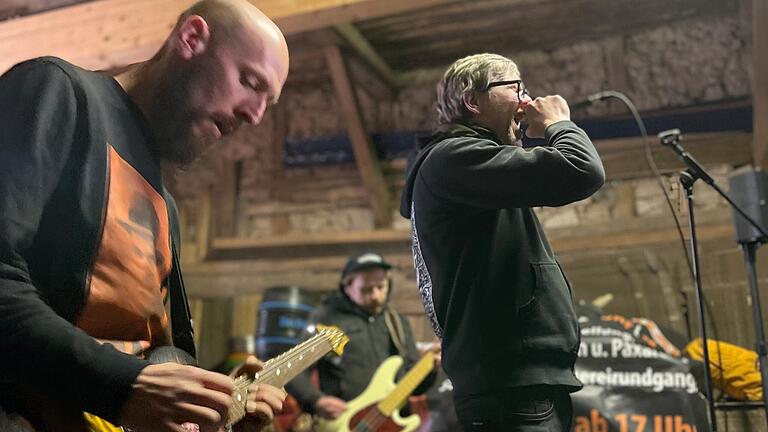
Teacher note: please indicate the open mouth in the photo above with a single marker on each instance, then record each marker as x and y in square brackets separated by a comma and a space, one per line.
[224, 127]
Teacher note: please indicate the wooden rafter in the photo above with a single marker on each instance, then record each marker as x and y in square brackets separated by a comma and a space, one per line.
[205, 225]
[368, 53]
[365, 157]
[224, 200]
[108, 33]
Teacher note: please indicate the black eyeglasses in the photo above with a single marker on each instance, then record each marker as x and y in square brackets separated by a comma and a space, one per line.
[521, 90]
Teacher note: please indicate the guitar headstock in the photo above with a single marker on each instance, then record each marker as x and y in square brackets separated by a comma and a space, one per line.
[335, 337]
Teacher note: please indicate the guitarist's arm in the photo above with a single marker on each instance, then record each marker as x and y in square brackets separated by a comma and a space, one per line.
[413, 357]
[44, 356]
[40, 349]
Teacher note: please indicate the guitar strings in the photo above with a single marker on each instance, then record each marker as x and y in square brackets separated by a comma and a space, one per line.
[271, 365]
[292, 354]
[271, 368]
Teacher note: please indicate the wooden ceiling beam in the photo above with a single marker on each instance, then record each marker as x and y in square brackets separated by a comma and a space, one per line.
[365, 155]
[368, 53]
[104, 34]
[317, 14]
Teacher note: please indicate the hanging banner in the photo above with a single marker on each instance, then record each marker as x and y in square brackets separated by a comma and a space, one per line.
[635, 379]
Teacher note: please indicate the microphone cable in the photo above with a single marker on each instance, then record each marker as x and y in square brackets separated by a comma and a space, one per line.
[604, 95]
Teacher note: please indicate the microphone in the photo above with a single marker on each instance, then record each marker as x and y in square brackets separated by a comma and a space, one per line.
[591, 99]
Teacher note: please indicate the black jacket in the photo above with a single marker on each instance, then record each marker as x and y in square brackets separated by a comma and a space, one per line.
[369, 344]
[489, 281]
[56, 121]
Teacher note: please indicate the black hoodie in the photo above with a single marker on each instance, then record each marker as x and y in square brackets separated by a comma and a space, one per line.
[489, 281]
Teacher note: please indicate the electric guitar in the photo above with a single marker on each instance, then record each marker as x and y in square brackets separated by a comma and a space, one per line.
[277, 372]
[377, 408]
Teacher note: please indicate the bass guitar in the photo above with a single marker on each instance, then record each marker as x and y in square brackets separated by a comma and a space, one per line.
[377, 408]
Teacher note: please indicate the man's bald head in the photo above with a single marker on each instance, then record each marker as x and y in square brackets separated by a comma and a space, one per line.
[226, 17]
[223, 64]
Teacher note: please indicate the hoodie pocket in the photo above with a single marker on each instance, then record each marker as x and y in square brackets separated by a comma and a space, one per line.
[549, 320]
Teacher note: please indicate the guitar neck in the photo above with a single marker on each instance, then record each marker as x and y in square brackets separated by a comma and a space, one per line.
[283, 368]
[407, 385]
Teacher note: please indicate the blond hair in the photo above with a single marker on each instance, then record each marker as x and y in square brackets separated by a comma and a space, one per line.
[471, 73]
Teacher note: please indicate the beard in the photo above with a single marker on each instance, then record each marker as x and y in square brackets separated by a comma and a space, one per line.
[171, 119]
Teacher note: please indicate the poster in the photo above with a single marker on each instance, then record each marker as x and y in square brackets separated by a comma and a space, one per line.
[635, 379]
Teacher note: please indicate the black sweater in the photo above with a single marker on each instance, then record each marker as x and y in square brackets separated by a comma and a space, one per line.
[489, 281]
[57, 123]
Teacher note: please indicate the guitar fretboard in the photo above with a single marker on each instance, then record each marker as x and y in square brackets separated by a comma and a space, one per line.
[283, 368]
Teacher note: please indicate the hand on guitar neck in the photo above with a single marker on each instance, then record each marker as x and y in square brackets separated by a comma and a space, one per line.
[262, 400]
[165, 396]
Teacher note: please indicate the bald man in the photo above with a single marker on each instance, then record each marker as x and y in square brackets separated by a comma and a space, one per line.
[89, 270]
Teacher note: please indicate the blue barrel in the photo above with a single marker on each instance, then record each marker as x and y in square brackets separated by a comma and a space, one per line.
[283, 315]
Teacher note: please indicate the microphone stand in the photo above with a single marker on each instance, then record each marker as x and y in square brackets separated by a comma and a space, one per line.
[688, 177]
[608, 94]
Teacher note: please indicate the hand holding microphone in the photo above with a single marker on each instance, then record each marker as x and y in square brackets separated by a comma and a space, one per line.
[544, 111]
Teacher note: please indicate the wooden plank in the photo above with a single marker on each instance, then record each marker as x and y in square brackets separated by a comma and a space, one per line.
[631, 232]
[362, 147]
[625, 202]
[419, 40]
[95, 35]
[238, 277]
[277, 148]
[368, 53]
[245, 314]
[316, 239]
[108, 33]
[624, 158]
[760, 81]
[214, 331]
[317, 14]
[225, 195]
[637, 239]
[204, 227]
[18, 8]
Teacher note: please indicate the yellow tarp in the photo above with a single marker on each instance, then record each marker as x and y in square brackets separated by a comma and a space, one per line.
[735, 370]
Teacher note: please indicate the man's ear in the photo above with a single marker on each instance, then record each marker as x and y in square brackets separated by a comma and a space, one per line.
[470, 102]
[194, 36]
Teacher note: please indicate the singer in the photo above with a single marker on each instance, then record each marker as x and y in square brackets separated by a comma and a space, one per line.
[489, 282]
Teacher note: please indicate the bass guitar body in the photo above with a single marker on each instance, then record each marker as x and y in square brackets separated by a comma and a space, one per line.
[363, 413]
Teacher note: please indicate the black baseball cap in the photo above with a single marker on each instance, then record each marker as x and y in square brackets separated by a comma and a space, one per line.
[365, 261]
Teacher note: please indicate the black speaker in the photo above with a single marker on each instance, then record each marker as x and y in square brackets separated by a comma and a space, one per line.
[750, 191]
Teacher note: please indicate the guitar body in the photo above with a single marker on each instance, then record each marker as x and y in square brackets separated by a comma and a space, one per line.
[363, 409]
